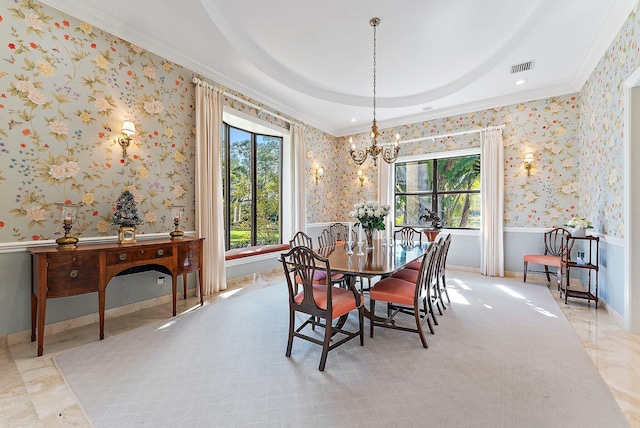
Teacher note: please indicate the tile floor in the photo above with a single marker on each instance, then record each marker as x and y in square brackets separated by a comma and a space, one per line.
[32, 392]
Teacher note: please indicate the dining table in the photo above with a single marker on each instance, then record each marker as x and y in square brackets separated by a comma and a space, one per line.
[380, 260]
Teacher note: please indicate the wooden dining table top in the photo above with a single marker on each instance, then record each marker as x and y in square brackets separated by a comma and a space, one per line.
[382, 260]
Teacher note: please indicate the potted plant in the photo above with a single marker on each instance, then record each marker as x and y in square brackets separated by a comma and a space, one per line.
[125, 216]
[578, 226]
[433, 224]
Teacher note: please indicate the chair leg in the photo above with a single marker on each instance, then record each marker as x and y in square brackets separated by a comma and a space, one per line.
[433, 315]
[372, 310]
[291, 328]
[328, 332]
[525, 271]
[546, 270]
[444, 287]
[361, 320]
[426, 314]
[416, 313]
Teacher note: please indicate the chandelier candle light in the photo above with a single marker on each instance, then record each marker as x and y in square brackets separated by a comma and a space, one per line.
[389, 152]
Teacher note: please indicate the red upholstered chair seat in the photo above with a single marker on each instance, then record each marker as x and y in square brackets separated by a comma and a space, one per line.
[410, 275]
[414, 265]
[342, 299]
[542, 259]
[394, 290]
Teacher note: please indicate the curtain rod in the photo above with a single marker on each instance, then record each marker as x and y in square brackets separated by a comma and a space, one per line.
[260, 109]
[453, 134]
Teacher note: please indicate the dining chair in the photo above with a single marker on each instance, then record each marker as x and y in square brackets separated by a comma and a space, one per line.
[411, 275]
[407, 236]
[406, 297]
[340, 231]
[326, 238]
[301, 239]
[304, 240]
[553, 244]
[442, 264]
[322, 302]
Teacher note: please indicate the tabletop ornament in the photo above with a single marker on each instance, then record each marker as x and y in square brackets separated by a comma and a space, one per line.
[125, 216]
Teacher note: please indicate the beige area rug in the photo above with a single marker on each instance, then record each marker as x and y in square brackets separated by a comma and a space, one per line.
[502, 356]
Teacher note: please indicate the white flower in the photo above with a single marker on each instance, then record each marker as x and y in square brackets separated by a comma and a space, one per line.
[153, 107]
[32, 20]
[58, 127]
[25, 86]
[579, 223]
[35, 213]
[102, 104]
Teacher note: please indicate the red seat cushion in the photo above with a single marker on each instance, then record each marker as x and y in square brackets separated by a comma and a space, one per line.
[320, 277]
[342, 299]
[410, 275]
[542, 259]
[394, 290]
[414, 265]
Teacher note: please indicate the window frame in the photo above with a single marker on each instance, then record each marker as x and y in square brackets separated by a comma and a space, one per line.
[435, 192]
[255, 130]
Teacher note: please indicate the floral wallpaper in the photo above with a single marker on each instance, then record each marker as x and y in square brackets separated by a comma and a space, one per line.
[548, 128]
[65, 89]
[602, 130]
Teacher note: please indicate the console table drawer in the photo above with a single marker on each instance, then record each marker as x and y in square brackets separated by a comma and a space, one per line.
[188, 257]
[135, 255]
[70, 275]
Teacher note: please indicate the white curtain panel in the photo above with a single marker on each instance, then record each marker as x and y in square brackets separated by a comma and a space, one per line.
[209, 188]
[492, 203]
[299, 174]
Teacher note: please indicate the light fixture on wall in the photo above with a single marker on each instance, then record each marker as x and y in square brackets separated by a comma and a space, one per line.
[128, 129]
[319, 174]
[68, 216]
[389, 152]
[361, 177]
[528, 162]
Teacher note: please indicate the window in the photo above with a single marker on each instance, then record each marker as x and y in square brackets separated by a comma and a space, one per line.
[450, 186]
[252, 175]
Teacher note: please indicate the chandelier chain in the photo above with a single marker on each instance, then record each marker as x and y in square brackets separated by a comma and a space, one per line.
[388, 154]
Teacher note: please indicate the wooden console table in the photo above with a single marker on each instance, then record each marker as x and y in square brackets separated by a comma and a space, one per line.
[58, 272]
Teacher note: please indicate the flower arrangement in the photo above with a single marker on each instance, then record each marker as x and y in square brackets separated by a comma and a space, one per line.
[579, 223]
[370, 214]
[432, 219]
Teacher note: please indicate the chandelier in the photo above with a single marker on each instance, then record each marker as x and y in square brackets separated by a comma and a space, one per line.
[389, 152]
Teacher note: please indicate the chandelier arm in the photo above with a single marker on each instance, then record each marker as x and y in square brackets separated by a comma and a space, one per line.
[390, 154]
[358, 156]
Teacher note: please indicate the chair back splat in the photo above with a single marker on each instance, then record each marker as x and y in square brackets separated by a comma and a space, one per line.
[340, 231]
[320, 300]
[327, 239]
[301, 239]
[408, 236]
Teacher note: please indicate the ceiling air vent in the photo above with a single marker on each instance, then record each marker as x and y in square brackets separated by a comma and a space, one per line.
[522, 67]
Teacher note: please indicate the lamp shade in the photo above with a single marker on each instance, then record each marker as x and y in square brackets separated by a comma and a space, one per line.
[528, 157]
[128, 127]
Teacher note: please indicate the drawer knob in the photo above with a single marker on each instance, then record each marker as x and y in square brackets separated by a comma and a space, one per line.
[190, 257]
[122, 256]
[73, 273]
[160, 252]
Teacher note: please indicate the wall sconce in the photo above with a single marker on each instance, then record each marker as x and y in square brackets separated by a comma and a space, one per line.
[319, 174]
[177, 212]
[361, 177]
[528, 162]
[128, 129]
[68, 216]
